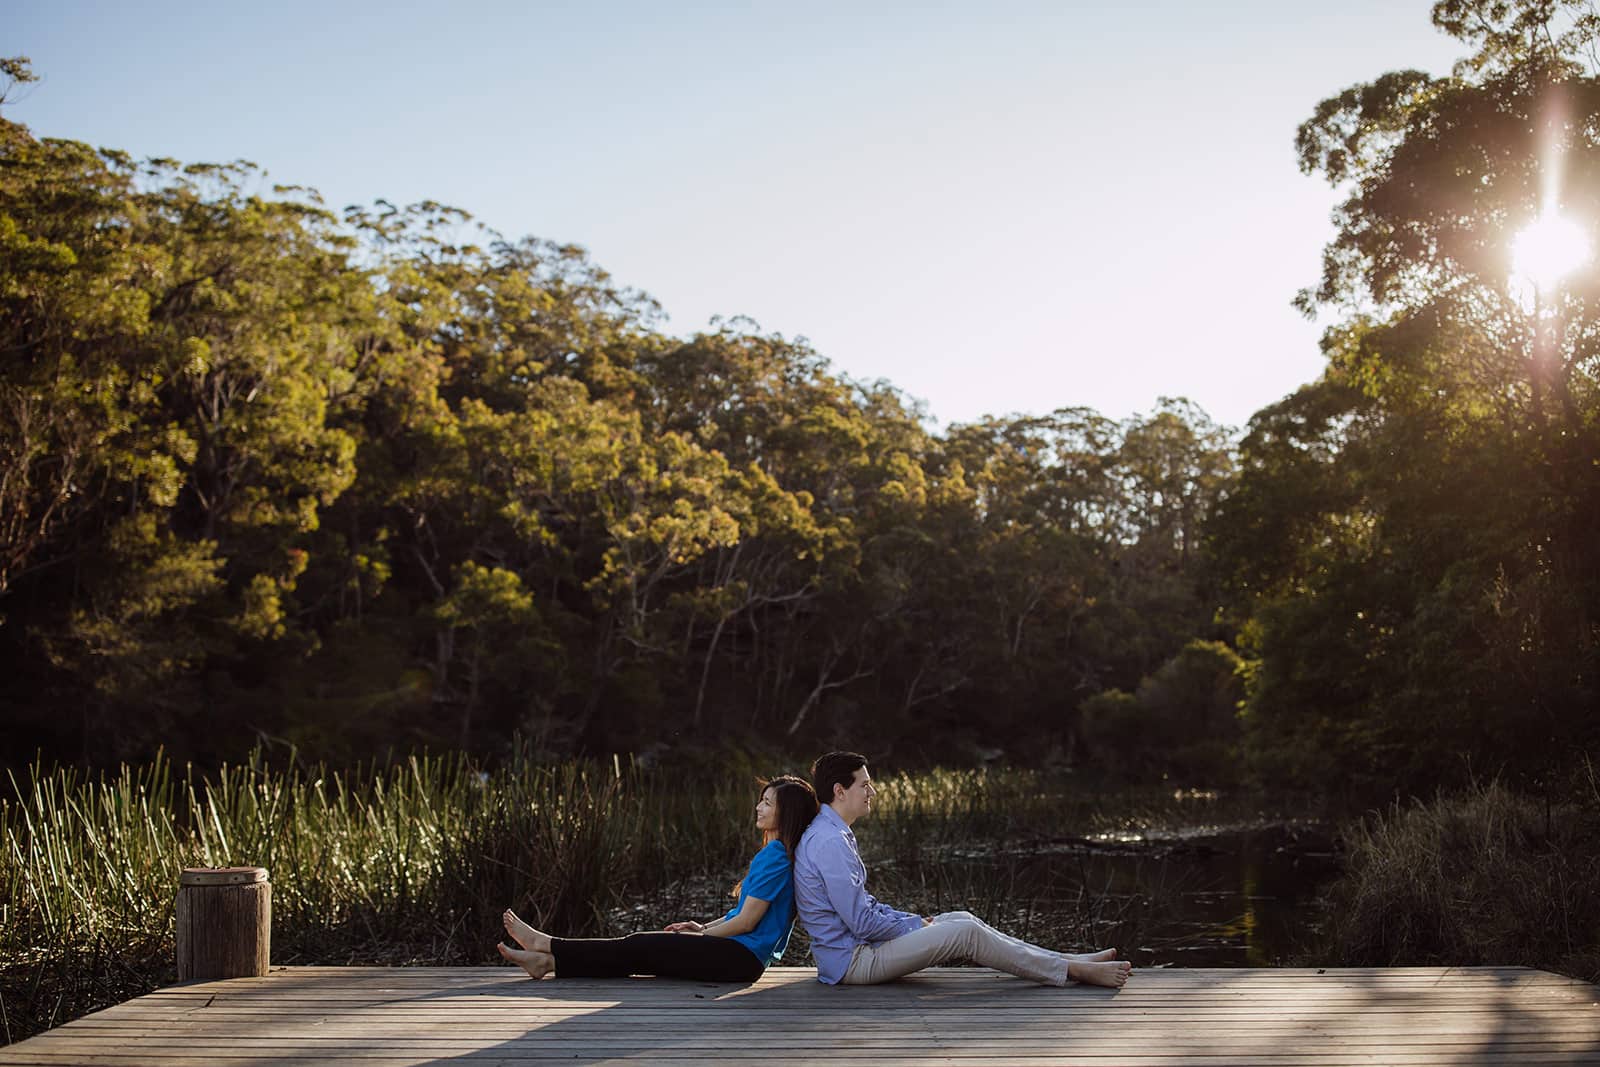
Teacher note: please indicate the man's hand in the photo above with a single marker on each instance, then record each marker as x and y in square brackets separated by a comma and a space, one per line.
[688, 926]
[926, 921]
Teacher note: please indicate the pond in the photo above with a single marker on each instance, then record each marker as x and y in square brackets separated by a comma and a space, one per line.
[1246, 897]
[1241, 895]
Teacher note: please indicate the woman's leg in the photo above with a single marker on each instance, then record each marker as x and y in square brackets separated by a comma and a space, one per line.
[525, 935]
[537, 964]
[692, 956]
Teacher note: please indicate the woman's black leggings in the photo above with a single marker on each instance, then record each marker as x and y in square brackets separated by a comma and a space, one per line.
[694, 956]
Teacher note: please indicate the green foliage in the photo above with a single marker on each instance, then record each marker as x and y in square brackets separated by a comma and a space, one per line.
[1181, 724]
[343, 483]
[1114, 723]
[1409, 548]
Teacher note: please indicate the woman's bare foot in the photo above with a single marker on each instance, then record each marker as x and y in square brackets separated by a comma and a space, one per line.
[1092, 957]
[537, 964]
[525, 935]
[1113, 973]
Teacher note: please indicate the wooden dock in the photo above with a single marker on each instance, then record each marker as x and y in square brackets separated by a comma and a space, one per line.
[386, 1017]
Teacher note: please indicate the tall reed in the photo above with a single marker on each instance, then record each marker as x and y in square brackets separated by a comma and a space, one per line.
[412, 861]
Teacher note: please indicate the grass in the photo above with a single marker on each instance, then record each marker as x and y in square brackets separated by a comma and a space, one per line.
[1485, 877]
[408, 862]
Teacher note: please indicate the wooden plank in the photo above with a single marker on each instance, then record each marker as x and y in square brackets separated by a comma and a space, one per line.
[940, 1057]
[753, 1042]
[1412, 1017]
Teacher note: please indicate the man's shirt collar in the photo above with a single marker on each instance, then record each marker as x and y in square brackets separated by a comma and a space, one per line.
[832, 816]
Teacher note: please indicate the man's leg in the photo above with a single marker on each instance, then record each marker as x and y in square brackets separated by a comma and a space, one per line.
[955, 935]
[1072, 957]
[1094, 968]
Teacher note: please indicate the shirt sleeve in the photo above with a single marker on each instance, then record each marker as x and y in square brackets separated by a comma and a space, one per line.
[768, 873]
[866, 918]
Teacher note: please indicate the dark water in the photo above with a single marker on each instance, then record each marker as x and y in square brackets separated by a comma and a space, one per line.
[1241, 896]
[1245, 897]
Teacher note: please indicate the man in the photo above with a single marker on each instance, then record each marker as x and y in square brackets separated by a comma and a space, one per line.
[859, 941]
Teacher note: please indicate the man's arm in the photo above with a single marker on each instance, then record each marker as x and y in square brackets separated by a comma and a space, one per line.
[867, 919]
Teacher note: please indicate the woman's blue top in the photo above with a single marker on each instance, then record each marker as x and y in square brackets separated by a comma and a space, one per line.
[769, 879]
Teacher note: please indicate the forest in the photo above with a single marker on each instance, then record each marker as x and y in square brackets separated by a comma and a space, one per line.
[341, 483]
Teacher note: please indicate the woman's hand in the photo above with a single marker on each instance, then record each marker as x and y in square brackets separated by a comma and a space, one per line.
[689, 926]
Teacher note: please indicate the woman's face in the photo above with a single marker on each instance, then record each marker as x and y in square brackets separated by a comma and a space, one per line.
[767, 810]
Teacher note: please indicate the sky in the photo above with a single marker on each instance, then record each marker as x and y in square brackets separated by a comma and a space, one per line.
[1000, 207]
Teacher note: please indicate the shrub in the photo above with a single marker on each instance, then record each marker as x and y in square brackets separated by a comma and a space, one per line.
[1489, 877]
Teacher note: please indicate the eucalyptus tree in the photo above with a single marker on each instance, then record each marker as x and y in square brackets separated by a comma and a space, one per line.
[1423, 594]
[176, 344]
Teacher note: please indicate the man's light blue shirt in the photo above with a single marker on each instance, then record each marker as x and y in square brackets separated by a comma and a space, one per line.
[830, 891]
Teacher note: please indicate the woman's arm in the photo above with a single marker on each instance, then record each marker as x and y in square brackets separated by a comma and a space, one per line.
[689, 926]
[749, 915]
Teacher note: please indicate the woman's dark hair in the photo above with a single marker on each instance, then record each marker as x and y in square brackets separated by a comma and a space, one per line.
[836, 768]
[797, 806]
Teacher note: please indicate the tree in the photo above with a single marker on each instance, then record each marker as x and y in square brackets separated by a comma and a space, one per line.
[1425, 568]
[389, 479]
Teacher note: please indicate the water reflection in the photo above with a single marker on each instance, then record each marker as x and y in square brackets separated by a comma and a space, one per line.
[1202, 897]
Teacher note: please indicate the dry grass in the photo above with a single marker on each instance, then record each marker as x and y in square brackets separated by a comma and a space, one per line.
[1484, 878]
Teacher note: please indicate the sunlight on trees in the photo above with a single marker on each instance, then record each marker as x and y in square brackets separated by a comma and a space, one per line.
[1547, 250]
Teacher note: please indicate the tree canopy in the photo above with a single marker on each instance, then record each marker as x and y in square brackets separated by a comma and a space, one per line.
[1413, 537]
[384, 478]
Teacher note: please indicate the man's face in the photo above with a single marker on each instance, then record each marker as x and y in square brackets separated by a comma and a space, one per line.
[856, 801]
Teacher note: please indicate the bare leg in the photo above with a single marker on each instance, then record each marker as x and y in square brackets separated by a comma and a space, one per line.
[525, 935]
[537, 964]
[1113, 973]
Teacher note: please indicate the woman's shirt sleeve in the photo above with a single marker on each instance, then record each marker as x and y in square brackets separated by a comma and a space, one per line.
[769, 873]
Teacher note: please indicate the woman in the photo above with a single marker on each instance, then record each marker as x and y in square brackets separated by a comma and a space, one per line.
[735, 948]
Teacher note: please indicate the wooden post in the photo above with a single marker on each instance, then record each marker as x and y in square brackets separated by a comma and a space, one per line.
[224, 922]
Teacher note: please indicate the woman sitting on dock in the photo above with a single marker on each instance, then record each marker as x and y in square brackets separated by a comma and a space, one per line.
[735, 948]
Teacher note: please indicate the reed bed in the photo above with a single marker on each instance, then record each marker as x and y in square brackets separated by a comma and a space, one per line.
[1483, 877]
[412, 861]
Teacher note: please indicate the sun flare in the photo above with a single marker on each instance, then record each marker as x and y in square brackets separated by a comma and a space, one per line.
[1549, 249]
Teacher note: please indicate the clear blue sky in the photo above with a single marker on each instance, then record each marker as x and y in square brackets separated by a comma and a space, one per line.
[998, 206]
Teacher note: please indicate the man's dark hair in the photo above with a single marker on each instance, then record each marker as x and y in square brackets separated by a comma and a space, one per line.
[836, 768]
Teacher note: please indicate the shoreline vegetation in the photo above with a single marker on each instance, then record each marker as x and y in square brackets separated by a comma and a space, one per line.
[1487, 877]
[411, 863]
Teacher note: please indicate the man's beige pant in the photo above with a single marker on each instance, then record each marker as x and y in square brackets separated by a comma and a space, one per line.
[954, 935]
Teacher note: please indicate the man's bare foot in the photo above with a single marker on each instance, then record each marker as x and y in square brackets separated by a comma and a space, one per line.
[537, 964]
[1113, 973]
[1092, 957]
[525, 935]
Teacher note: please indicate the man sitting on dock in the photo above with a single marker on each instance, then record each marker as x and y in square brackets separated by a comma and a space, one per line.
[857, 940]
